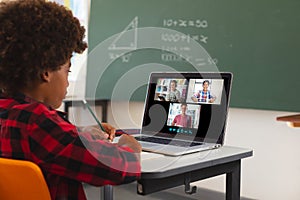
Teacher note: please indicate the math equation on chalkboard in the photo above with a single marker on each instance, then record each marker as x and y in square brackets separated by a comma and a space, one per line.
[175, 45]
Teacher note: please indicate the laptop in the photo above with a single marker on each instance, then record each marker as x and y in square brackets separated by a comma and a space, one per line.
[185, 112]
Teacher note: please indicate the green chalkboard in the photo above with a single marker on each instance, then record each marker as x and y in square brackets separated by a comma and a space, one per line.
[258, 41]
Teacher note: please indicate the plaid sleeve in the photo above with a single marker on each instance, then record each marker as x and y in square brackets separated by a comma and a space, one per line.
[58, 148]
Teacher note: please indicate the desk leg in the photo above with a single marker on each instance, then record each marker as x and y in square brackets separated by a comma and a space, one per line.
[107, 192]
[233, 182]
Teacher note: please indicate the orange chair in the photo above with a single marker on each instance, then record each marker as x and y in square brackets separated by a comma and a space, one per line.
[21, 179]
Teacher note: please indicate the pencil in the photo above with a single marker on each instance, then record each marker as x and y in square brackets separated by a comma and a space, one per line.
[94, 116]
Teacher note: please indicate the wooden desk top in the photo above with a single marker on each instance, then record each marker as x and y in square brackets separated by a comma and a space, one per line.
[292, 120]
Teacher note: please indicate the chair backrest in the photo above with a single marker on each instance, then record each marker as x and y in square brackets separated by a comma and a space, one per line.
[21, 179]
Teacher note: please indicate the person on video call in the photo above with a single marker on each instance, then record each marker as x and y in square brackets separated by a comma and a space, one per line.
[183, 120]
[204, 96]
[37, 40]
[174, 94]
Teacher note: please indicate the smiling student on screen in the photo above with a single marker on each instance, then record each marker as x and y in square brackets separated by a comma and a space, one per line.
[174, 94]
[204, 95]
[183, 120]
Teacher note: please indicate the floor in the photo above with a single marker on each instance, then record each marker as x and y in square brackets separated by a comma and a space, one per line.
[128, 191]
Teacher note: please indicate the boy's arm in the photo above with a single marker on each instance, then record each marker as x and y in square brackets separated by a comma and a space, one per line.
[58, 149]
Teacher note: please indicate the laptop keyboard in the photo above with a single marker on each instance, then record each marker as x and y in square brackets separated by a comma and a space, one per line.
[167, 141]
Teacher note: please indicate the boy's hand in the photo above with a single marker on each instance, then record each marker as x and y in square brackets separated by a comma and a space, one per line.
[131, 142]
[96, 131]
[110, 130]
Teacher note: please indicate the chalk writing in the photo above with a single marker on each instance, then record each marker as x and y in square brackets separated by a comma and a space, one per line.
[129, 42]
[178, 37]
[198, 23]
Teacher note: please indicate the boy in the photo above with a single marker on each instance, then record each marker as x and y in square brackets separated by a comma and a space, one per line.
[37, 39]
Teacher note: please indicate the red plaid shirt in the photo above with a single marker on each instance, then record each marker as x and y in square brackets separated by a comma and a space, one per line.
[30, 130]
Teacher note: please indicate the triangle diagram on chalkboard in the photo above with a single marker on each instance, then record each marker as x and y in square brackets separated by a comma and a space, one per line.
[127, 39]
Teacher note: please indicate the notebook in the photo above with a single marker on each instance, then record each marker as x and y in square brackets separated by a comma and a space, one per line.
[190, 117]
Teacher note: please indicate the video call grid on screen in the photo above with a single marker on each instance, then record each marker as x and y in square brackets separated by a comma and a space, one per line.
[189, 91]
[194, 96]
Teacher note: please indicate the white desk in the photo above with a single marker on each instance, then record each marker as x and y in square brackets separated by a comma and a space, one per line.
[164, 172]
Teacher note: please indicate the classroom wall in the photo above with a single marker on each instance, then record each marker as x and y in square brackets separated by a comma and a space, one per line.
[274, 170]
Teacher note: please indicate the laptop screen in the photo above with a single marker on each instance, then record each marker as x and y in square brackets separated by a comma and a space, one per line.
[190, 106]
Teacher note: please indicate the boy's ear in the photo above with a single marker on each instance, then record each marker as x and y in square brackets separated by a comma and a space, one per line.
[45, 76]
